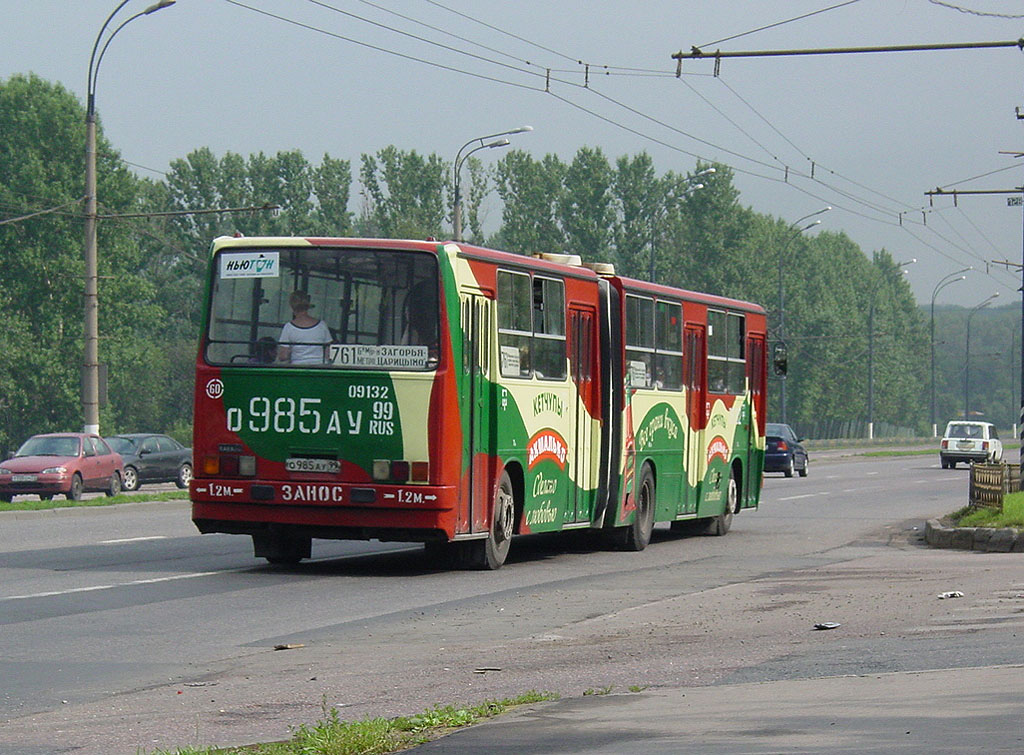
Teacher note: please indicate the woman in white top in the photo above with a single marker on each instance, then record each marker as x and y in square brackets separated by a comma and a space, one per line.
[304, 338]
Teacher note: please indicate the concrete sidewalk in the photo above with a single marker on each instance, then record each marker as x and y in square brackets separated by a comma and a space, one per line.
[961, 710]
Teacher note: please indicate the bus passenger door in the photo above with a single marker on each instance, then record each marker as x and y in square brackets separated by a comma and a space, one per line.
[693, 382]
[581, 353]
[476, 407]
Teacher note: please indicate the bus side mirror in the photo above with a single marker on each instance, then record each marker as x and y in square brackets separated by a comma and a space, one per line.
[780, 360]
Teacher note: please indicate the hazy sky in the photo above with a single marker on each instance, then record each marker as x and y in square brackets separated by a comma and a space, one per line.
[348, 77]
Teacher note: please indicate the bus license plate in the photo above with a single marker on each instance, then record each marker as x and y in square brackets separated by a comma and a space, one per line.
[331, 466]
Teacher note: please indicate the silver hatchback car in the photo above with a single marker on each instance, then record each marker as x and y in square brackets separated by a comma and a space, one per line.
[969, 442]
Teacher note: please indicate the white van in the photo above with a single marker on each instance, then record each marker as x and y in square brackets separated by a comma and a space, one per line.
[970, 442]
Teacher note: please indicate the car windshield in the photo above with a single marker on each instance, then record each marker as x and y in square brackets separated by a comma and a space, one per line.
[122, 445]
[777, 429]
[42, 445]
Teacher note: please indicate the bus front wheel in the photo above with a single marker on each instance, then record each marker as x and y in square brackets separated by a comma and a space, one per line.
[636, 536]
[491, 552]
[721, 524]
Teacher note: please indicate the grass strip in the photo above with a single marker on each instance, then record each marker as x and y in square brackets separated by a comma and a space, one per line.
[62, 503]
[374, 736]
[1012, 514]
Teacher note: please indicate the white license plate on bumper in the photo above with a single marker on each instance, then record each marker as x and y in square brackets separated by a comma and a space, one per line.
[330, 466]
[24, 478]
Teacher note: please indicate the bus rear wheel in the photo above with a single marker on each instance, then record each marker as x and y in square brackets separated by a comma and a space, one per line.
[282, 548]
[490, 553]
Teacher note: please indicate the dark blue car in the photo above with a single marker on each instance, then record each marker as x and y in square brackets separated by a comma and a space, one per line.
[783, 451]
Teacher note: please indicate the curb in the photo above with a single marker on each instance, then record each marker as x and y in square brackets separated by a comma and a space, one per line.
[990, 539]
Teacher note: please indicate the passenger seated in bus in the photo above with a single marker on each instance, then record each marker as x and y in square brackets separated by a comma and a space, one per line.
[304, 338]
[264, 351]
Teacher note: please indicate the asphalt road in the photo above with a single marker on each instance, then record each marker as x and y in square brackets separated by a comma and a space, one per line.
[125, 630]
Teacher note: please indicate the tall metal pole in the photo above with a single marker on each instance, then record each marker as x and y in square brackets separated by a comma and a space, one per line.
[945, 281]
[457, 169]
[91, 360]
[967, 354]
[782, 297]
[871, 369]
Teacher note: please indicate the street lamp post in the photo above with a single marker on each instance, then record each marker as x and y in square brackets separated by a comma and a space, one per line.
[795, 231]
[90, 362]
[460, 159]
[967, 354]
[945, 281]
[900, 266]
[656, 214]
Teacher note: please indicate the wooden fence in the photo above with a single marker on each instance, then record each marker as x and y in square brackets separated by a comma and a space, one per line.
[991, 482]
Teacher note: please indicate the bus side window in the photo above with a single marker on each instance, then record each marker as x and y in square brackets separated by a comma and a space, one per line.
[515, 329]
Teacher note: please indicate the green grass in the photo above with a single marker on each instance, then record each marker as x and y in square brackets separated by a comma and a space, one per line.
[61, 503]
[1012, 514]
[907, 452]
[373, 736]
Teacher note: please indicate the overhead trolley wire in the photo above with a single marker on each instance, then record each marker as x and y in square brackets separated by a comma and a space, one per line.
[780, 23]
[377, 48]
[898, 219]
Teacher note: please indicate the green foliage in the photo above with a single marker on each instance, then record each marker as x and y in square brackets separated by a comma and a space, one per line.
[529, 190]
[42, 317]
[994, 392]
[640, 199]
[585, 205]
[406, 192]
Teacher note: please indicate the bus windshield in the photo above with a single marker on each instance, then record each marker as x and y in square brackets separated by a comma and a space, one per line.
[324, 307]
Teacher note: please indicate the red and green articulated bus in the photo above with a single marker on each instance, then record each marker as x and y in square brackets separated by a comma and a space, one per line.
[464, 396]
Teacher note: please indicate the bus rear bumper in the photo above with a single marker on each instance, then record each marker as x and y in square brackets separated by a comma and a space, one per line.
[337, 511]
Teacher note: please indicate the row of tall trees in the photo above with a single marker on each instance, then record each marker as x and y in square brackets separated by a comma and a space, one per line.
[621, 210]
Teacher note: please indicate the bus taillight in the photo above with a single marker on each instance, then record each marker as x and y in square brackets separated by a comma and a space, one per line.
[385, 470]
[228, 465]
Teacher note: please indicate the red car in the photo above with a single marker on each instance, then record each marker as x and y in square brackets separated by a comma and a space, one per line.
[61, 463]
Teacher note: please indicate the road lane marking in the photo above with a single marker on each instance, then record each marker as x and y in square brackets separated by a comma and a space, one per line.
[798, 497]
[95, 588]
[132, 540]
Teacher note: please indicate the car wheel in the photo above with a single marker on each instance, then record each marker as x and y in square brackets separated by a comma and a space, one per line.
[75, 491]
[131, 479]
[114, 486]
[789, 468]
[184, 476]
[803, 469]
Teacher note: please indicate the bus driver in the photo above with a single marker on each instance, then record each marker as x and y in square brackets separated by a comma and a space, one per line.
[304, 338]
